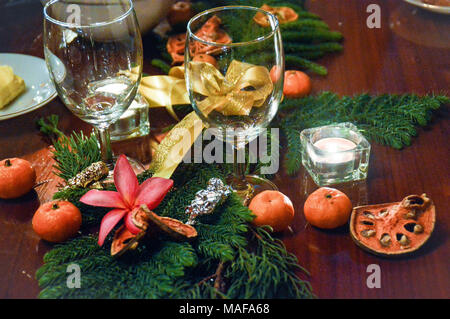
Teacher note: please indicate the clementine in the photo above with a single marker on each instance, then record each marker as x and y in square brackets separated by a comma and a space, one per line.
[296, 84]
[275, 73]
[327, 208]
[272, 208]
[17, 177]
[57, 221]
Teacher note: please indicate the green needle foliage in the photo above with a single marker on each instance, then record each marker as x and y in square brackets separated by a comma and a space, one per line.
[253, 264]
[69, 162]
[306, 39]
[229, 258]
[386, 119]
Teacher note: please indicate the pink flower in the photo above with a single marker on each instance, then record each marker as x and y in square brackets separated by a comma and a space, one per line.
[129, 196]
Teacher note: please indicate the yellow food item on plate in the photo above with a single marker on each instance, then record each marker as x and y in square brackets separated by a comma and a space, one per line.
[11, 85]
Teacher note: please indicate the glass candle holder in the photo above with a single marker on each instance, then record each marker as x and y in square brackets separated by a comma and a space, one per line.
[334, 154]
[133, 123]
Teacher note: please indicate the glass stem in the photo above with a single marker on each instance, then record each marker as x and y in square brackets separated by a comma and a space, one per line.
[105, 146]
[239, 182]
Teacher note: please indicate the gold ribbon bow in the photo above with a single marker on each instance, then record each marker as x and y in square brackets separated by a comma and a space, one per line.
[244, 86]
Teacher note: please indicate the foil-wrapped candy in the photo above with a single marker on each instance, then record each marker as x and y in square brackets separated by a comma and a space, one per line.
[206, 200]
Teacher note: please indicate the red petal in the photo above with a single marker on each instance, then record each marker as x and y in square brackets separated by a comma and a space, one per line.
[126, 181]
[109, 221]
[153, 191]
[130, 225]
[103, 199]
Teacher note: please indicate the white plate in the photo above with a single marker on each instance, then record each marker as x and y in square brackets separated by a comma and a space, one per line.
[39, 88]
[430, 7]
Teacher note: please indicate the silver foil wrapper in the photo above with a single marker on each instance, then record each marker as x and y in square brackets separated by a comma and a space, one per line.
[206, 200]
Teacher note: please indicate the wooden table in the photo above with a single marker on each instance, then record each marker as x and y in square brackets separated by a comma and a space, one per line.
[409, 53]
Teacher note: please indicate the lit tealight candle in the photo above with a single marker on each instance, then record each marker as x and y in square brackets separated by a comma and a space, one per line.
[336, 146]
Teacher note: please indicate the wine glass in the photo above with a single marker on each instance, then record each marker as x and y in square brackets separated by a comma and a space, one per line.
[93, 51]
[234, 66]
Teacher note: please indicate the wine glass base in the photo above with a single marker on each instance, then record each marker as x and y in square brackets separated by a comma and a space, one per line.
[254, 185]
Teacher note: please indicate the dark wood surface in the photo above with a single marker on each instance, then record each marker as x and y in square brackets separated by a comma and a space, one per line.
[409, 53]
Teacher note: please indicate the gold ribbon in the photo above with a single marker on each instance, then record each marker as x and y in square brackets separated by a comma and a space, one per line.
[163, 90]
[244, 86]
[175, 145]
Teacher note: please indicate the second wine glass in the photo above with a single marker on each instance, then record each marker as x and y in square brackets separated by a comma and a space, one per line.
[234, 67]
[94, 55]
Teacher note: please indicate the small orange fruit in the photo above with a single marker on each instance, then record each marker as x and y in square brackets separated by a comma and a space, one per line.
[327, 208]
[275, 73]
[297, 84]
[57, 221]
[17, 177]
[272, 208]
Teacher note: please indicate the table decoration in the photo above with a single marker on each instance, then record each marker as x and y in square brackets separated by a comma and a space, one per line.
[296, 84]
[388, 119]
[335, 153]
[227, 250]
[229, 257]
[283, 14]
[327, 208]
[56, 221]
[272, 208]
[17, 177]
[239, 99]
[180, 12]
[206, 200]
[96, 92]
[89, 176]
[133, 123]
[130, 195]
[305, 39]
[394, 229]
[148, 224]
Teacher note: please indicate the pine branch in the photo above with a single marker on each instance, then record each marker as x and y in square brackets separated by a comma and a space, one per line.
[386, 119]
[161, 269]
[75, 153]
[305, 39]
[49, 127]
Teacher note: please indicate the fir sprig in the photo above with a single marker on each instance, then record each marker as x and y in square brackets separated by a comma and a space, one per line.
[306, 39]
[49, 127]
[252, 263]
[69, 162]
[387, 119]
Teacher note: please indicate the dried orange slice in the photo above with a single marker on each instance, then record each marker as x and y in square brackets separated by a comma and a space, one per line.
[284, 15]
[394, 228]
[175, 47]
[210, 32]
